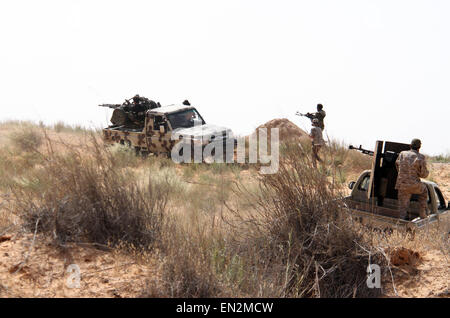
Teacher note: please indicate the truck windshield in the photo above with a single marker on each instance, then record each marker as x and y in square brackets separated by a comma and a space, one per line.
[364, 185]
[185, 119]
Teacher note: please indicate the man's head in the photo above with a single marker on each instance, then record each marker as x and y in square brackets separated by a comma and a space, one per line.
[186, 102]
[416, 144]
[315, 122]
[136, 98]
[319, 107]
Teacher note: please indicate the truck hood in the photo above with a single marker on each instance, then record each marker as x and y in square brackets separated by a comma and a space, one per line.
[205, 131]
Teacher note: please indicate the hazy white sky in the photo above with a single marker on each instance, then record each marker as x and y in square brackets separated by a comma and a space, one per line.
[380, 68]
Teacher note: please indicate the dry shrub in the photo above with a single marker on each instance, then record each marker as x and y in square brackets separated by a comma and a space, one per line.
[358, 161]
[186, 266]
[297, 241]
[442, 158]
[292, 240]
[189, 253]
[27, 139]
[59, 126]
[124, 155]
[88, 197]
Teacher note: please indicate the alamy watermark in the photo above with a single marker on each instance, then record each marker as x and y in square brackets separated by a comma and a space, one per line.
[224, 148]
[73, 281]
[373, 276]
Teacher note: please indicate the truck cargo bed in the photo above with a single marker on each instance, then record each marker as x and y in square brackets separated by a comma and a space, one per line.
[387, 218]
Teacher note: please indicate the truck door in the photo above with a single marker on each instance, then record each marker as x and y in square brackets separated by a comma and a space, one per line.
[440, 201]
[159, 135]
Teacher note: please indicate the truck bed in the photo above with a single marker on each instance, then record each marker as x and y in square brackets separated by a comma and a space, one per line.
[385, 218]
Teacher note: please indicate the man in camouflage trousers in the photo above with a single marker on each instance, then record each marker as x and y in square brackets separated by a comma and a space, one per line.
[411, 166]
[317, 141]
[319, 115]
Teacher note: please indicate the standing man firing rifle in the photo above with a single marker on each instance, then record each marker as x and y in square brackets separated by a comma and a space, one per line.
[317, 141]
[319, 115]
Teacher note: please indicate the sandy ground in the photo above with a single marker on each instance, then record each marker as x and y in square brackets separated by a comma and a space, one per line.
[42, 270]
[430, 277]
[39, 269]
[440, 173]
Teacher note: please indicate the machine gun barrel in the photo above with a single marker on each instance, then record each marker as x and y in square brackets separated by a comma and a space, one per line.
[110, 105]
[364, 151]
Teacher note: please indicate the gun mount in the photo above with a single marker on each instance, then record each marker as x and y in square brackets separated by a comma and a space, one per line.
[131, 113]
[374, 197]
[384, 171]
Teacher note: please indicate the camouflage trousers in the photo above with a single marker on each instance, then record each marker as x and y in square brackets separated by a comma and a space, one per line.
[315, 154]
[404, 197]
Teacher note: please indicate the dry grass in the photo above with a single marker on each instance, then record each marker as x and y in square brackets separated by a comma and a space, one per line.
[443, 158]
[83, 195]
[216, 230]
[28, 139]
[289, 242]
[305, 244]
[63, 127]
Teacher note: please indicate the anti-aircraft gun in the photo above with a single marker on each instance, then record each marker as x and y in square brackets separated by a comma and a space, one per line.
[360, 149]
[131, 114]
[120, 115]
[374, 200]
[384, 172]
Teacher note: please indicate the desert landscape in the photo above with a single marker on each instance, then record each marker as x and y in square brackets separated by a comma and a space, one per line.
[146, 227]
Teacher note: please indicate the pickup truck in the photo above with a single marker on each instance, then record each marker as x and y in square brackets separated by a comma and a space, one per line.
[161, 124]
[373, 199]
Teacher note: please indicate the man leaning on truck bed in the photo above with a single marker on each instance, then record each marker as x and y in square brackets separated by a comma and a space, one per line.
[411, 166]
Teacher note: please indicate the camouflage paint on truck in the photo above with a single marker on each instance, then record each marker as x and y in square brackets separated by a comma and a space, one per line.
[155, 136]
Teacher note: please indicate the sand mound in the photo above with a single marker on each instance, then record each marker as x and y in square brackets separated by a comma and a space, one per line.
[403, 256]
[287, 129]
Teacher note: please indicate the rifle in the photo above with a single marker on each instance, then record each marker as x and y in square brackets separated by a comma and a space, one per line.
[309, 115]
[364, 151]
